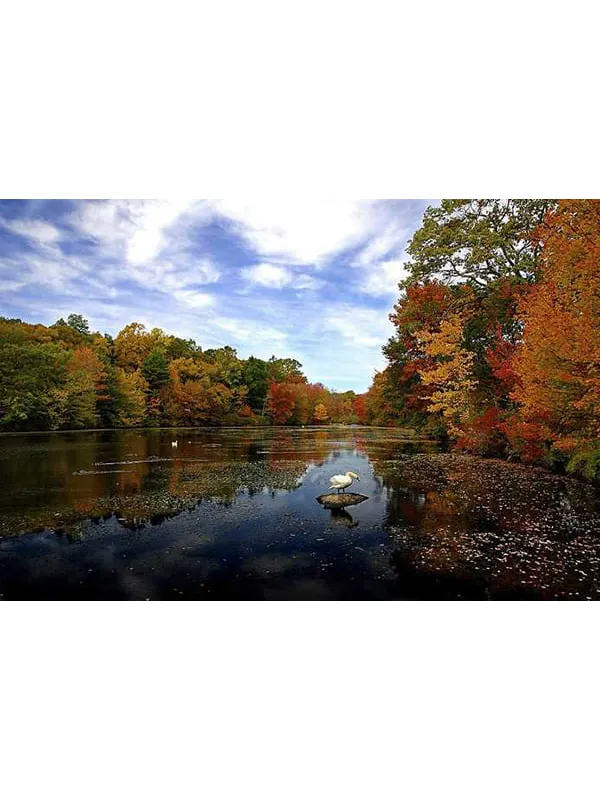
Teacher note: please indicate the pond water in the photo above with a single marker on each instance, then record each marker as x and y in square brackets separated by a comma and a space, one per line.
[232, 514]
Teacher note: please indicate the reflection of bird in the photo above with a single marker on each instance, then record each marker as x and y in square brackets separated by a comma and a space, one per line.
[174, 444]
[343, 481]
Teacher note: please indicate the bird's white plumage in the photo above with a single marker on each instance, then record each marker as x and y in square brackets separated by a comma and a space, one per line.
[342, 481]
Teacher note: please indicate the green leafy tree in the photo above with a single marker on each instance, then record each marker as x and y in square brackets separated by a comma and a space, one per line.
[256, 378]
[181, 348]
[285, 370]
[155, 370]
[229, 369]
[78, 323]
[131, 391]
[30, 375]
[477, 241]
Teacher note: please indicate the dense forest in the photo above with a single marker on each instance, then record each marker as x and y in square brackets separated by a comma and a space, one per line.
[497, 340]
[66, 377]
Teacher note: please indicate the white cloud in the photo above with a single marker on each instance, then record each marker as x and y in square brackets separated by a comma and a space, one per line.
[273, 276]
[107, 223]
[151, 221]
[37, 230]
[8, 285]
[138, 232]
[390, 239]
[269, 275]
[382, 279]
[167, 276]
[308, 282]
[133, 229]
[357, 325]
[194, 299]
[203, 271]
[67, 275]
[306, 231]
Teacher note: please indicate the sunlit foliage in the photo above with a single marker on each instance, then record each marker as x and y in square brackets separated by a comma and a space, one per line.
[558, 365]
[65, 376]
[497, 332]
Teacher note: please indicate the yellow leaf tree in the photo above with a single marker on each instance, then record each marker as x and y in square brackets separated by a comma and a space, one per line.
[449, 372]
[320, 414]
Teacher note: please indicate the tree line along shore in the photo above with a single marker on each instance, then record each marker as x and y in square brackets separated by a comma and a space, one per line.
[496, 349]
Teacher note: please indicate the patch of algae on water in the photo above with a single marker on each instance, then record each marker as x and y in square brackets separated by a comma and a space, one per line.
[180, 490]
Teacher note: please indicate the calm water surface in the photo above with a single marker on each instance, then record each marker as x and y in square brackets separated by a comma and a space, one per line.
[232, 514]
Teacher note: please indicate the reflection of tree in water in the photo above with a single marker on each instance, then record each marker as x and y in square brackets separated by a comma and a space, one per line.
[381, 447]
[311, 445]
[503, 529]
[137, 473]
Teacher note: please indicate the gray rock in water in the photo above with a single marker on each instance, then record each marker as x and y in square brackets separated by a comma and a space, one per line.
[341, 500]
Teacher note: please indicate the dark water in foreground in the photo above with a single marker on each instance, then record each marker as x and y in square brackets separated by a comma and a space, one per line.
[232, 514]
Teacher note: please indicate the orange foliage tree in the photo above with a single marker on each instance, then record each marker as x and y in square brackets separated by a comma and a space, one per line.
[280, 402]
[558, 365]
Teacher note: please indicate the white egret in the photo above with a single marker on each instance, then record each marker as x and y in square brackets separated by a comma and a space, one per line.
[343, 481]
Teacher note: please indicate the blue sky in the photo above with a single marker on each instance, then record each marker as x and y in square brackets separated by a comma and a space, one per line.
[309, 279]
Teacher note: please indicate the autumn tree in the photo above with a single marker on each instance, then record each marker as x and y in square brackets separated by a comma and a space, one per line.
[303, 403]
[132, 346]
[359, 409]
[191, 398]
[449, 373]
[381, 401]
[87, 389]
[558, 364]
[63, 376]
[280, 402]
[398, 390]
[69, 336]
[131, 390]
[76, 399]
[471, 260]
[320, 414]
